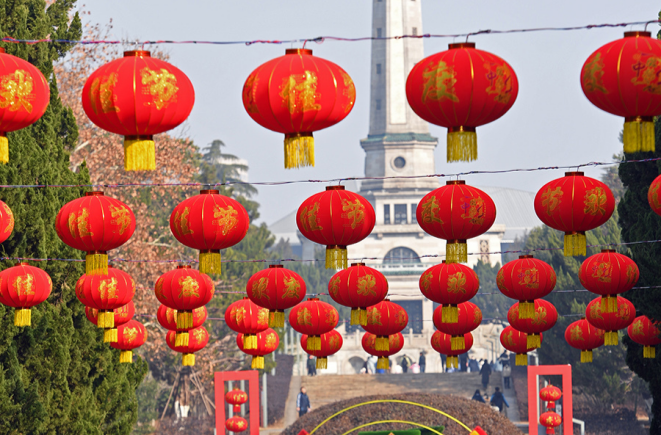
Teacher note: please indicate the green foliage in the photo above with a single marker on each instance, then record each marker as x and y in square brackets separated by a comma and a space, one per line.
[494, 305]
[219, 167]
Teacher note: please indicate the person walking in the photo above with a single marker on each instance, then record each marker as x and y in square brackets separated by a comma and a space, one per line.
[312, 366]
[473, 365]
[422, 362]
[507, 373]
[303, 403]
[406, 363]
[497, 399]
[485, 371]
[478, 397]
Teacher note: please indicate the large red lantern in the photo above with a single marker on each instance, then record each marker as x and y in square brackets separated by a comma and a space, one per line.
[469, 318]
[298, 94]
[585, 337]
[331, 342]
[24, 97]
[574, 204]
[358, 287]
[6, 220]
[622, 78]
[550, 420]
[645, 332]
[276, 289]
[198, 338]
[336, 218]
[313, 318]
[653, 197]
[121, 315]
[105, 293]
[610, 322]
[95, 224]
[22, 287]
[461, 89]
[544, 318]
[247, 318]
[395, 344]
[138, 96]
[517, 342]
[130, 335]
[384, 319]
[236, 424]
[184, 289]
[236, 398]
[449, 284]
[456, 212]
[526, 279]
[209, 222]
[267, 342]
[442, 343]
[167, 317]
[550, 394]
[608, 274]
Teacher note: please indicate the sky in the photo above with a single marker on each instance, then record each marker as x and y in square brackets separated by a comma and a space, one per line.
[551, 123]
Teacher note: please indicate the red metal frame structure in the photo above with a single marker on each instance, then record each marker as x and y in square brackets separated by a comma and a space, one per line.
[533, 393]
[252, 376]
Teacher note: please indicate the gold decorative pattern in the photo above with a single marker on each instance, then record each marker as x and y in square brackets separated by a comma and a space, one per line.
[334, 343]
[190, 288]
[270, 341]
[551, 199]
[122, 217]
[158, 289]
[78, 224]
[108, 289]
[593, 73]
[539, 318]
[654, 195]
[200, 335]
[438, 83]
[304, 317]
[16, 91]
[632, 275]
[648, 69]
[430, 210]
[292, 288]
[334, 286]
[637, 328]
[473, 209]
[102, 94]
[425, 280]
[365, 285]
[130, 334]
[500, 82]
[161, 85]
[595, 312]
[299, 93]
[374, 317]
[249, 93]
[349, 91]
[308, 218]
[623, 311]
[259, 288]
[10, 214]
[456, 283]
[401, 318]
[354, 210]
[595, 200]
[226, 219]
[24, 285]
[181, 222]
[529, 277]
[331, 317]
[603, 271]
[263, 317]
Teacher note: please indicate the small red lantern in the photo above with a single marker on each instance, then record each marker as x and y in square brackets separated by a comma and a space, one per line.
[167, 317]
[585, 337]
[121, 315]
[209, 222]
[384, 319]
[653, 197]
[622, 78]
[395, 344]
[358, 287]
[95, 224]
[526, 279]
[198, 339]
[105, 293]
[336, 218]
[469, 318]
[550, 420]
[517, 342]
[130, 335]
[236, 424]
[313, 318]
[298, 94]
[644, 331]
[442, 343]
[550, 394]
[276, 289]
[544, 318]
[610, 322]
[22, 287]
[184, 289]
[478, 431]
[456, 212]
[608, 274]
[461, 89]
[331, 342]
[267, 342]
[6, 216]
[138, 96]
[24, 97]
[247, 318]
[236, 397]
[449, 285]
[574, 204]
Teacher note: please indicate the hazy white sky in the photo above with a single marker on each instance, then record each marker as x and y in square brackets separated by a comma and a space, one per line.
[551, 123]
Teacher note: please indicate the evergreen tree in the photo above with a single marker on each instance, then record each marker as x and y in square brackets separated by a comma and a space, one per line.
[56, 376]
[492, 302]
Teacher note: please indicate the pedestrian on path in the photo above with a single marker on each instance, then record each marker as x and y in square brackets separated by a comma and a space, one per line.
[303, 403]
[485, 371]
[422, 361]
[478, 397]
[312, 366]
[497, 399]
[507, 373]
[406, 363]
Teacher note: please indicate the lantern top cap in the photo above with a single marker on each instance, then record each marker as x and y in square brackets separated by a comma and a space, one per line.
[521, 257]
[335, 188]
[607, 251]
[137, 53]
[2, 50]
[313, 299]
[275, 266]
[575, 174]
[357, 264]
[303, 51]
[183, 266]
[209, 192]
[22, 263]
[458, 45]
[456, 182]
[94, 193]
[637, 34]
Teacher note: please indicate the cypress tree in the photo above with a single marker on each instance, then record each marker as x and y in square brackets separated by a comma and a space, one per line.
[56, 376]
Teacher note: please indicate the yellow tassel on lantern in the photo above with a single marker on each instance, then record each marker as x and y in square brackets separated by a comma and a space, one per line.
[336, 257]
[181, 339]
[363, 316]
[355, 316]
[126, 356]
[452, 362]
[450, 314]
[139, 153]
[322, 363]
[383, 363]
[105, 319]
[22, 317]
[575, 244]
[534, 341]
[382, 344]
[210, 262]
[276, 319]
[299, 150]
[461, 144]
[521, 359]
[457, 343]
[638, 134]
[184, 319]
[4, 148]
[250, 341]
[456, 252]
[188, 359]
[649, 352]
[110, 335]
[610, 338]
[96, 263]
[609, 304]
[586, 356]
[257, 362]
[526, 309]
[314, 342]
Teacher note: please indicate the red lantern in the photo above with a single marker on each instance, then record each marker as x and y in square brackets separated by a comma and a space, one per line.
[585, 337]
[449, 285]
[384, 319]
[442, 343]
[130, 335]
[6, 215]
[331, 342]
[267, 342]
[456, 212]
[198, 338]
[608, 274]
[526, 279]
[276, 289]
[22, 287]
[610, 322]
[137, 97]
[621, 78]
[644, 331]
[550, 420]
[550, 394]
[95, 224]
[478, 431]
[167, 317]
[469, 318]
[209, 222]
[336, 218]
[395, 344]
[543, 319]
[574, 204]
[236, 397]
[297, 94]
[236, 424]
[358, 287]
[461, 89]
[121, 315]
[184, 289]
[24, 97]
[247, 318]
[105, 293]
[313, 318]
[517, 342]
[653, 195]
